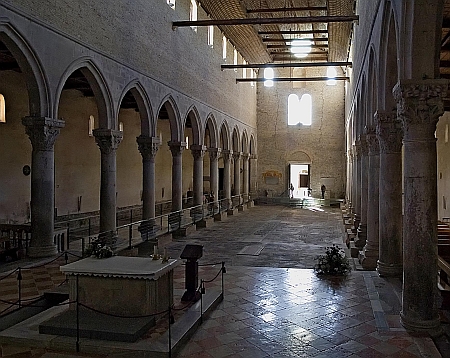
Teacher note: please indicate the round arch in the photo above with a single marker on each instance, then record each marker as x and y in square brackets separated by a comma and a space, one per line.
[235, 140]
[170, 106]
[225, 136]
[148, 127]
[212, 128]
[38, 92]
[194, 118]
[244, 142]
[98, 85]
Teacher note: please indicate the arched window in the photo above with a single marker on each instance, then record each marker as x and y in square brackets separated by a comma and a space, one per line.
[2, 109]
[306, 110]
[91, 125]
[293, 110]
[193, 13]
[268, 76]
[299, 111]
[224, 48]
[211, 36]
[331, 74]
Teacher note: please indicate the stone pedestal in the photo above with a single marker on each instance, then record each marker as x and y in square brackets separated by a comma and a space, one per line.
[125, 286]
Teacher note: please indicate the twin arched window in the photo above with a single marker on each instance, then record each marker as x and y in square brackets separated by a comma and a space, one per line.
[299, 110]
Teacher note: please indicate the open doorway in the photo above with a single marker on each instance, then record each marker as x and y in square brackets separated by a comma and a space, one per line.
[300, 178]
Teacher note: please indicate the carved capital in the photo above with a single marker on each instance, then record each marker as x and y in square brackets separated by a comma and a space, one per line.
[226, 154]
[420, 103]
[389, 132]
[372, 140]
[177, 148]
[148, 146]
[198, 151]
[42, 131]
[245, 156]
[108, 140]
[214, 153]
[237, 155]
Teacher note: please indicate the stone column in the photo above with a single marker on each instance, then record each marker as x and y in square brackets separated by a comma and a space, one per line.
[419, 106]
[198, 151]
[390, 133]
[370, 253]
[227, 176]
[245, 158]
[214, 171]
[350, 159]
[237, 175]
[108, 141]
[42, 132]
[177, 178]
[360, 240]
[356, 187]
[148, 147]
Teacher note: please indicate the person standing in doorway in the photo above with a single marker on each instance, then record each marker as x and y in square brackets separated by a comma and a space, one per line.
[291, 191]
[323, 188]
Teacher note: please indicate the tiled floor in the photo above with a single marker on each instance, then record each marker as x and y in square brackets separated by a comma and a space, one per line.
[274, 304]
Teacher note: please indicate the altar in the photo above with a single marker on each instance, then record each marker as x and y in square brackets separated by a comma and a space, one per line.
[124, 286]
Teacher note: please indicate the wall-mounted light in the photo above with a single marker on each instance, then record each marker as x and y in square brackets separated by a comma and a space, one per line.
[91, 125]
[121, 126]
[268, 76]
[2, 109]
[331, 74]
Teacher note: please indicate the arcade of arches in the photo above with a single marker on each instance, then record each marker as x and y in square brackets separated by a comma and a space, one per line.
[108, 115]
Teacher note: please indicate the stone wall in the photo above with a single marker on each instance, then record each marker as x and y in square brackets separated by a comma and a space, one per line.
[323, 142]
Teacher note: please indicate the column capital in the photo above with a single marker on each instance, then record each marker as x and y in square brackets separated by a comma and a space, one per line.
[42, 131]
[198, 151]
[148, 146]
[372, 140]
[419, 103]
[108, 140]
[245, 155]
[176, 147]
[214, 153]
[389, 131]
[226, 154]
[237, 155]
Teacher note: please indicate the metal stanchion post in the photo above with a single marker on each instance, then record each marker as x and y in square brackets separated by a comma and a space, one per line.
[19, 278]
[78, 320]
[170, 332]
[130, 234]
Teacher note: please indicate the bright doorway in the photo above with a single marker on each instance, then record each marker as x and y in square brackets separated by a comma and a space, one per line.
[300, 179]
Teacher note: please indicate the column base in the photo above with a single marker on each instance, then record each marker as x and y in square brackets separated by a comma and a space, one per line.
[433, 327]
[367, 261]
[42, 251]
[242, 208]
[389, 270]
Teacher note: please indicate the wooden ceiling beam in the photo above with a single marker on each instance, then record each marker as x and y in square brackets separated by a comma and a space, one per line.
[294, 32]
[267, 20]
[298, 64]
[293, 79]
[285, 9]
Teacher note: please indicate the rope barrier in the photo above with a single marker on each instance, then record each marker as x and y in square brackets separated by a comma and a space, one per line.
[218, 273]
[6, 309]
[119, 316]
[8, 274]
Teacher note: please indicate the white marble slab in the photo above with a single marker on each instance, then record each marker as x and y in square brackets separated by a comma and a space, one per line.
[121, 266]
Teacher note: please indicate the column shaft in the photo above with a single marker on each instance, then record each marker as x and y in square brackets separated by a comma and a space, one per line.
[237, 175]
[371, 249]
[214, 171]
[148, 147]
[108, 141]
[227, 176]
[42, 132]
[389, 133]
[177, 175]
[198, 151]
[419, 105]
[245, 158]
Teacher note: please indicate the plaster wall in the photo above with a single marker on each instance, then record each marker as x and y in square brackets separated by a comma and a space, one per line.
[322, 142]
[15, 149]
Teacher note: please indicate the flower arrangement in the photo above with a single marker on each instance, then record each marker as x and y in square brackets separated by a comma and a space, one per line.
[99, 250]
[334, 262]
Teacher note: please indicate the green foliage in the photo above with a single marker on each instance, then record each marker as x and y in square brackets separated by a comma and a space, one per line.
[334, 262]
[99, 250]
